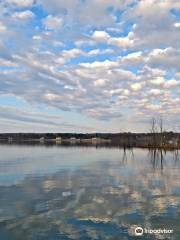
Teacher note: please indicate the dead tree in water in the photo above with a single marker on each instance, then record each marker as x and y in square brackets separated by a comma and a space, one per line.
[157, 131]
[161, 138]
[154, 131]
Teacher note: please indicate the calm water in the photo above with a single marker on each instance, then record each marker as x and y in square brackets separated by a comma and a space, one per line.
[87, 193]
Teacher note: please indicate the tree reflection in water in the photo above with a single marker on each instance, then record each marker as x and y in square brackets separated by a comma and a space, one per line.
[157, 157]
[176, 155]
[128, 154]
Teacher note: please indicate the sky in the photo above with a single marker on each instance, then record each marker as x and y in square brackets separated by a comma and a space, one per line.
[89, 65]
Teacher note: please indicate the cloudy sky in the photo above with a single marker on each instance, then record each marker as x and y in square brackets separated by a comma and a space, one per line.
[89, 65]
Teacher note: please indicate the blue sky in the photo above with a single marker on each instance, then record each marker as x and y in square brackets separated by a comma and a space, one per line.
[89, 66]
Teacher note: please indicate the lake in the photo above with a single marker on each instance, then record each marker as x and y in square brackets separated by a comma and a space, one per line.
[69, 192]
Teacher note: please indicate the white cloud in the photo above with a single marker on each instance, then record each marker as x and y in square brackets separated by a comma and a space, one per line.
[52, 96]
[136, 86]
[171, 83]
[21, 3]
[23, 15]
[100, 36]
[133, 56]
[166, 58]
[92, 12]
[154, 23]
[126, 92]
[177, 24]
[103, 51]
[36, 37]
[105, 64]
[155, 91]
[123, 42]
[177, 75]
[158, 81]
[3, 28]
[72, 53]
[101, 82]
[53, 22]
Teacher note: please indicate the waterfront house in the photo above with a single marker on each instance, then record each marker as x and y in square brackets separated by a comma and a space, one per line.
[58, 140]
[42, 140]
[10, 139]
[173, 142]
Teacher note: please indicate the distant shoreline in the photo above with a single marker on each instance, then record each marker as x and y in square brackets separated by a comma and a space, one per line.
[164, 140]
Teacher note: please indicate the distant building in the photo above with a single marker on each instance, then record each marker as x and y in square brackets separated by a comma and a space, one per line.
[58, 139]
[73, 140]
[173, 141]
[86, 140]
[42, 140]
[144, 139]
[96, 140]
[10, 139]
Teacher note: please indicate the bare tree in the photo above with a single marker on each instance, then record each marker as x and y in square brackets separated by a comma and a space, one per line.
[157, 130]
[161, 139]
[153, 131]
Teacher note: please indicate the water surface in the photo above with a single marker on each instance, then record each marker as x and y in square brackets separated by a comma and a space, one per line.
[87, 193]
